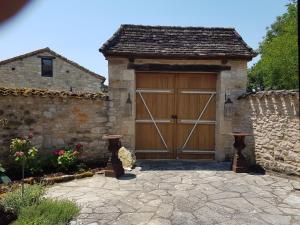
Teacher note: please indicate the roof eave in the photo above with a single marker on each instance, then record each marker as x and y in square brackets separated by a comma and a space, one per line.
[175, 56]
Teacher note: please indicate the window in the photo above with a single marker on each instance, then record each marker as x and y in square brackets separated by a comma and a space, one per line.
[47, 67]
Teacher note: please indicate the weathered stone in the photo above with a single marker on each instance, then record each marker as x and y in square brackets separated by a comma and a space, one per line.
[55, 124]
[274, 121]
[66, 76]
[246, 199]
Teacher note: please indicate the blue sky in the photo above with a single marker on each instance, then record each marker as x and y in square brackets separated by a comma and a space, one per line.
[77, 28]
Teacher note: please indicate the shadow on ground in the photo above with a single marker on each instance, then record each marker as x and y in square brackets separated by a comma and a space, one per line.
[153, 165]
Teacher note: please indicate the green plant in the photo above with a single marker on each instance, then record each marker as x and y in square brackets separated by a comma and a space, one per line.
[278, 66]
[14, 201]
[48, 212]
[67, 157]
[33, 166]
[23, 151]
[3, 177]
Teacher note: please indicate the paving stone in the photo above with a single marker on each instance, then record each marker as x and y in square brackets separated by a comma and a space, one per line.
[276, 219]
[184, 193]
[165, 210]
[133, 218]
[159, 221]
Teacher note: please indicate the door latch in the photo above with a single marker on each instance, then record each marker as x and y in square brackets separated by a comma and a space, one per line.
[174, 117]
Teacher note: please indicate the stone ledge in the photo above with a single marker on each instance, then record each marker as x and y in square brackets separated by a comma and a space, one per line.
[261, 94]
[49, 93]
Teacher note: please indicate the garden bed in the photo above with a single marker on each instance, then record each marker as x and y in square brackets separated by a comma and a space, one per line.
[49, 179]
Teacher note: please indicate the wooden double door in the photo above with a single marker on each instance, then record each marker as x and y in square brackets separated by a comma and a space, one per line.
[175, 115]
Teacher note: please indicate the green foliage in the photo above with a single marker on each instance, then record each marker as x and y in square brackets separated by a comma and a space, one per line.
[68, 157]
[22, 149]
[66, 160]
[48, 212]
[14, 202]
[3, 177]
[278, 66]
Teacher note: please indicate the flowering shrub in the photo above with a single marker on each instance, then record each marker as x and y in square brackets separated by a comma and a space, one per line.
[67, 158]
[23, 150]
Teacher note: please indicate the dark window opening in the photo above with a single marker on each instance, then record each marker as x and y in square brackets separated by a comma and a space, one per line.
[47, 67]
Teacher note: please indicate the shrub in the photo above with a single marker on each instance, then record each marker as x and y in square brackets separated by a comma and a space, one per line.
[67, 157]
[23, 151]
[48, 212]
[13, 201]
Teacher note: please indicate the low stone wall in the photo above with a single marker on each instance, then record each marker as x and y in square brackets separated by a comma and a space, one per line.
[273, 119]
[56, 119]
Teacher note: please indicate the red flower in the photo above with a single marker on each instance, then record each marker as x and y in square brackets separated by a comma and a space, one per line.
[61, 152]
[56, 152]
[78, 146]
[19, 154]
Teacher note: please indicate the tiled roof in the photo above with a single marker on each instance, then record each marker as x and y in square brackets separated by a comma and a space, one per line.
[48, 50]
[176, 42]
[49, 93]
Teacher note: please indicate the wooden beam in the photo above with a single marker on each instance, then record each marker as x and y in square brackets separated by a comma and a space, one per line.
[177, 68]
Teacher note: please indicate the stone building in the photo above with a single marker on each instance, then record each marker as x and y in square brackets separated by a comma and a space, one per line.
[45, 69]
[168, 87]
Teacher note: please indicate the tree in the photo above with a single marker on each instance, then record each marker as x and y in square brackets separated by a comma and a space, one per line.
[278, 65]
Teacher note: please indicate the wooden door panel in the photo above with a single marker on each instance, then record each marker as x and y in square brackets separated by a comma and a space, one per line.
[156, 91]
[203, 81]
[155, 80]
[161, 106]
[202, 138]
[189, 106]
[149, 139]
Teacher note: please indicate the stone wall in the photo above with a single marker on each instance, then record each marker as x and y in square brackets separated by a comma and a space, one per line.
[273, 119]
[122, 84]
[26, 73]
[56, 120]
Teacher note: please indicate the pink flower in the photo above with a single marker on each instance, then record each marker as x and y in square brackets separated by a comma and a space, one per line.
[75, 152]
[30, 135]
[61, 152]
[19, 154]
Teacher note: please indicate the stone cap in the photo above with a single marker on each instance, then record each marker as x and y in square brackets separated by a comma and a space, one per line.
[49, 93]
[261, 94]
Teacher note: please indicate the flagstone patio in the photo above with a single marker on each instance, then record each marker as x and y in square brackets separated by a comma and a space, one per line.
[177, 192]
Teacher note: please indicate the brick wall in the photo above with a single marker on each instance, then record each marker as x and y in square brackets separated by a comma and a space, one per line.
[56, 120]
[273, 119]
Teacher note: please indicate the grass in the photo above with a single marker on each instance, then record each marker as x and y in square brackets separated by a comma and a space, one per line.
[48, 212]
[13, 202]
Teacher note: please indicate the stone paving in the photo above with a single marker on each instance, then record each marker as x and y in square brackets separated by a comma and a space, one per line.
[177, 192]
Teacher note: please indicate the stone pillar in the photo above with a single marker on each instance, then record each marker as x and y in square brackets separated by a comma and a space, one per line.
[122, 99]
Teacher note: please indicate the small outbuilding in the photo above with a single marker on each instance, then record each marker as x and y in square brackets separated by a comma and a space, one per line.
[173, 89]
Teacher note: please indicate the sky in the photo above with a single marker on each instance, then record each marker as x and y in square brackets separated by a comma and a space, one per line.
[76, 29]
